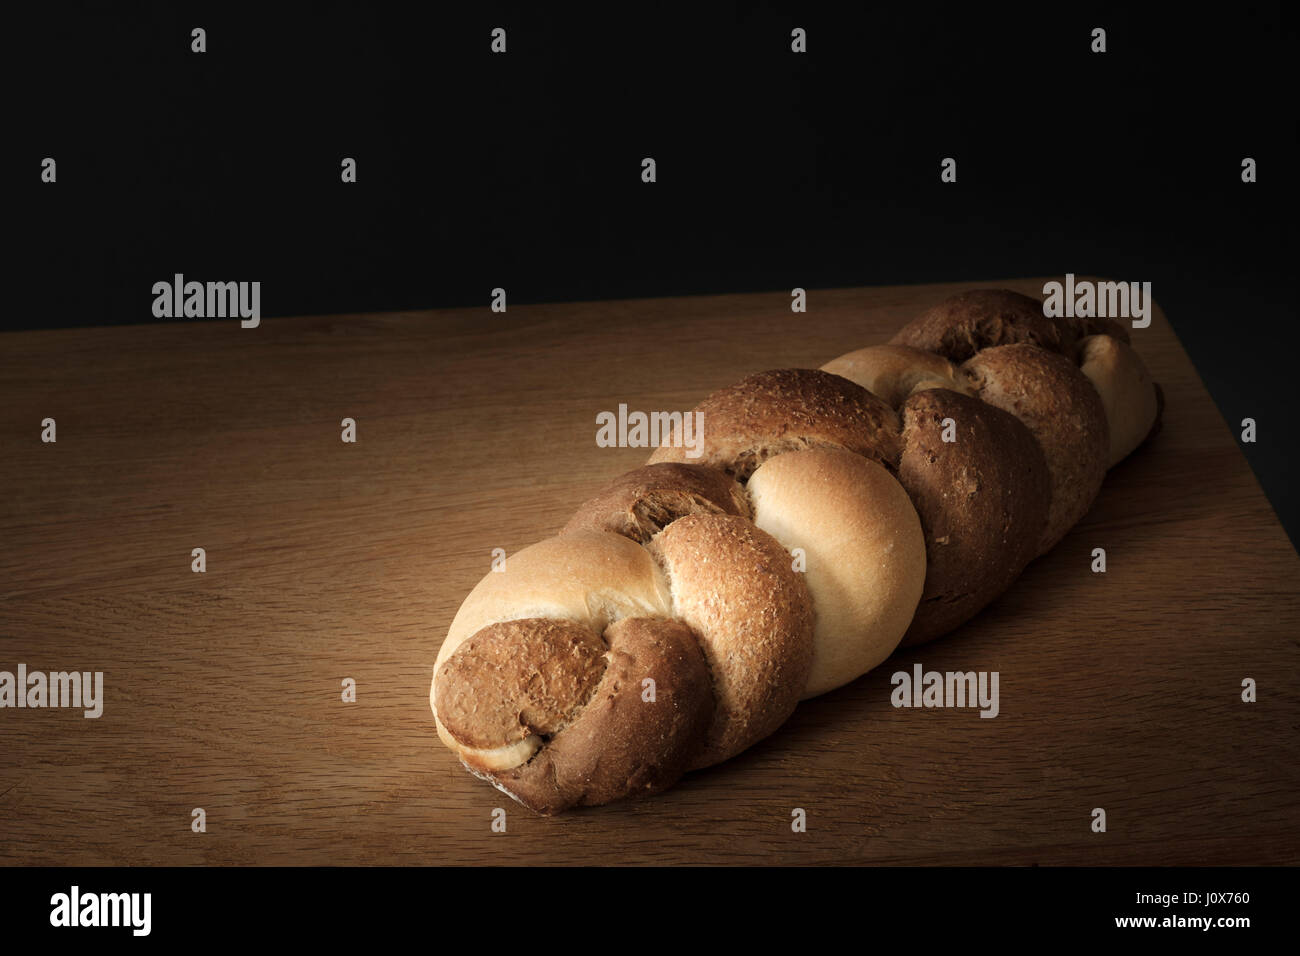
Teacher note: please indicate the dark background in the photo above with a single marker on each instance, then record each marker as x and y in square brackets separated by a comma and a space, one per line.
[774, 169]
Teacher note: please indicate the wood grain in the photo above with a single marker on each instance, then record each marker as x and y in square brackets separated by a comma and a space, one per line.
[476, 431]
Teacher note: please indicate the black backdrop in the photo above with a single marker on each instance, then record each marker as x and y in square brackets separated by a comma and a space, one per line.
[774, 169]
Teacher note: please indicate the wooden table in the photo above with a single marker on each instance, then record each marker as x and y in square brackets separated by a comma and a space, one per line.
[476, 431]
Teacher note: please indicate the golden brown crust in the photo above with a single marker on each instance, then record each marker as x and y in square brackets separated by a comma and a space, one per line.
[789, 410]
[631, 738]
[517, 678]
[1063, 411]
[734, 586]
[983, 501]
[643, 501]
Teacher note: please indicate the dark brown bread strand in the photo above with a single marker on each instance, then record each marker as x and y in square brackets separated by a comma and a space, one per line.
[640, 503]
[518, 678]
[969, 322]
[618, 745]
[983, 502]
[784, 410]
[1063, 411]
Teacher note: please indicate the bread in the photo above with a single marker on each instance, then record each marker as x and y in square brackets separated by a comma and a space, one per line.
[970, 322]
[1130, 399]
[983, 501]
[832, 514]
[862, 550]
[1063, 411]
[734, 586]
[643, 501]
[621, 742]
[787, 410]
[893, 372]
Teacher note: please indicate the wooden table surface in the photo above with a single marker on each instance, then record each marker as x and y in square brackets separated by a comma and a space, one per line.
[476, 431]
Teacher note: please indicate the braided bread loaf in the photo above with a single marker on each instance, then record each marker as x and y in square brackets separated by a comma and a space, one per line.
[831, 516]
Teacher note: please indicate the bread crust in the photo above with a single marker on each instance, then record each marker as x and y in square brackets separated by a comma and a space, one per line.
[734, 586]
[589, 576]
[631, 738]
[983, 502]
[514, 679]
[862, 548]
[964, 324]
[893, 372]
[1127, 392]
[640, 503]
[1063, 411]
[789, 410]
